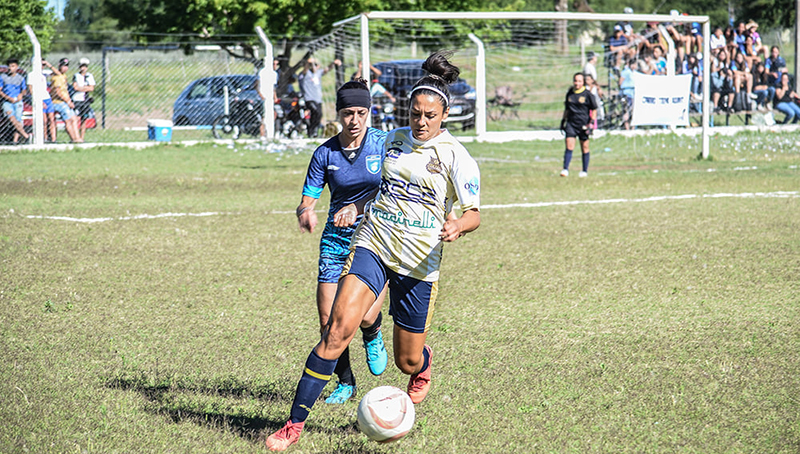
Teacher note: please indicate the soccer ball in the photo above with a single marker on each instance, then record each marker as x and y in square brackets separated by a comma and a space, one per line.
[385, 414]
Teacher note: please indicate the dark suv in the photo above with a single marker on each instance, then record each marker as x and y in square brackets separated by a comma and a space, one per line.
[399, 77]
[203, 100]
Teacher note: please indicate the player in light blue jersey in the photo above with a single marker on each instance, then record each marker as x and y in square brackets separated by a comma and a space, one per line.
[399, 242]
[350, 165]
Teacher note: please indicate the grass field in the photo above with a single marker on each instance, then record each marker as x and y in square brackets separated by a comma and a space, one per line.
[162, 300]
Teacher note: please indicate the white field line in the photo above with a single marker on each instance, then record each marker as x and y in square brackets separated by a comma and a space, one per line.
[778, 194]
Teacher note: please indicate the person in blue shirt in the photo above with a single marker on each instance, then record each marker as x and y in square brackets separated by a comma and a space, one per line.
[350, 165]
[775, 65]
[626, 89]
[617, 46]
[12, 89]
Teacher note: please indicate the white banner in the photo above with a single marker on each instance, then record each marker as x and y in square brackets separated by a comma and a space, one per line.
[661, 100]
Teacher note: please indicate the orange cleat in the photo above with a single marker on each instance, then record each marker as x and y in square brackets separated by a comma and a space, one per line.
[285, 437]
[420, 383]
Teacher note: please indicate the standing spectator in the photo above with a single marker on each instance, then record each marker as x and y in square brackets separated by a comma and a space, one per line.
[775, 65]
[717, 41]
[47, 101]
[762, 87]
[596, 91]
[591, 65]
[83, 83]
[310, 80]
[694, 66]
[62, 103]
[579, 114]
[785, 100]
[626, 89]
[12, 89]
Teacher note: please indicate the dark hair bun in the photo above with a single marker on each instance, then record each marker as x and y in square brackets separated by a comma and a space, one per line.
[438, 65]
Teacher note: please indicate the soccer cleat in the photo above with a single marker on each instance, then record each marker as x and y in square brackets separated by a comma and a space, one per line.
[583, 174]
[341, 394]
[285, 437]
[376, 355]
[565, 173]
[420, 383]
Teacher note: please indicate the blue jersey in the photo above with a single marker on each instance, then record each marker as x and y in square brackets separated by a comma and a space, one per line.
[350, 175]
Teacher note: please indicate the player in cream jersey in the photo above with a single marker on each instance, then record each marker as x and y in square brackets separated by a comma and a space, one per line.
[419, 184]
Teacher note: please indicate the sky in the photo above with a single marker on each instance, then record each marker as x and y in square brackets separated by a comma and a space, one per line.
[58, 5]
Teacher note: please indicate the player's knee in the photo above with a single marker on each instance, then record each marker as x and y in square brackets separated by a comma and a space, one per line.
[406, 364]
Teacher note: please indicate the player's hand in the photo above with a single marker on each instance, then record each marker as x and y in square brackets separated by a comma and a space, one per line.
[451, 230]
[346, 216]
[307, 220]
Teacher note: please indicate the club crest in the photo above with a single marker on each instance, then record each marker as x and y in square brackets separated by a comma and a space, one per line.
[373, 164]
[435, 166]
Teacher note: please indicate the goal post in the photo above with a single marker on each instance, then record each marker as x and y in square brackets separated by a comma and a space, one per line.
[491, 33]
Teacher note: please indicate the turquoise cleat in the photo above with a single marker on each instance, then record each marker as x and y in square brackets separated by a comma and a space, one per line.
[376, 355]
[341, 394]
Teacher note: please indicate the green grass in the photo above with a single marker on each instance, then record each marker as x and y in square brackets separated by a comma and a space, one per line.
[640, 326]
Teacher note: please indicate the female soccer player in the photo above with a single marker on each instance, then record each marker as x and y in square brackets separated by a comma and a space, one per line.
[400, 242]
[350, 164]
[579, 111]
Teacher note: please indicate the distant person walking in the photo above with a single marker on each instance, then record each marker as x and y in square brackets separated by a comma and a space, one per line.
[580, 109]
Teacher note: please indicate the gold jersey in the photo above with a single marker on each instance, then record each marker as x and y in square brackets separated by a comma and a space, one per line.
[419, 184]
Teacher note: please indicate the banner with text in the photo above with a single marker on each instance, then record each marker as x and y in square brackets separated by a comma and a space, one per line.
[661, 100]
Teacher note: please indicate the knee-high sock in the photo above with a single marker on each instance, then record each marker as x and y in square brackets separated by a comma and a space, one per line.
[316, 375]
[343, 370]
[426, 360]
[585, 157]
[567, 158]
[371, 332]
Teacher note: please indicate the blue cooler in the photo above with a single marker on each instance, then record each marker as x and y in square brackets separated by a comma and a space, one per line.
[159, 130]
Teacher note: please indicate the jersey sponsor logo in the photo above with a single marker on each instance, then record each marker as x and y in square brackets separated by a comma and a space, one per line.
[473, 186]
[435, 166]
[394, 152]
[373, 164]
[333, 167]
[427, 221]
[406, 190]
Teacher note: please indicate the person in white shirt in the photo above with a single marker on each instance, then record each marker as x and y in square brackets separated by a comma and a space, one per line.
[83, 82]
[717, 41]
[591, 65]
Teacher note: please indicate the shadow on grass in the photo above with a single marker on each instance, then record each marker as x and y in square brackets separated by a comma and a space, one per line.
[224, 403]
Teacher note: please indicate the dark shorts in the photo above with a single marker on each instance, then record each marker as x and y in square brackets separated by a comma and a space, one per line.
[572, 130]
[334, 248]
[411, 301]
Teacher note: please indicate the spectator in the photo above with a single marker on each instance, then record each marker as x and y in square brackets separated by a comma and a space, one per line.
[739, 39]
[651, 37]
[579, 114]
[310, 80]
[786, 100]
[696, 39]
[694, 66]
[752, 31]
[617, 46]
[659, 63]
[742, 76]
[12, 89]
[762, 87]
[717, 41]
[775, 65]
[47, 108]
[597, 92]
[62, 102]
[722, 82]
[83, 83]
[374, 73]
[750, 54]
[591, 65]
[626, 89]
[730, 41]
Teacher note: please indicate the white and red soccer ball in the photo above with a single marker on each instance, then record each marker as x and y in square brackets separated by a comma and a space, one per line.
[386, 414]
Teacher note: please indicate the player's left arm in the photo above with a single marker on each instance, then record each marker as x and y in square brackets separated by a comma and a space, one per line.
[454, 228]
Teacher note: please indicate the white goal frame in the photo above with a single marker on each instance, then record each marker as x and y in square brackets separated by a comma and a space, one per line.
[480, 107]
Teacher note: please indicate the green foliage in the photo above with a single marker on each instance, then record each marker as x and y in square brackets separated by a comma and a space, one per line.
[14, 15]
[768, 12]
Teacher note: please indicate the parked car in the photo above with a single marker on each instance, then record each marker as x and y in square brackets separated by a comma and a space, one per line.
[399, 77]
[203, 100]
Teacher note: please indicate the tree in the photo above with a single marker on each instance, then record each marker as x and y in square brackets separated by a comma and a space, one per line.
[14, 15]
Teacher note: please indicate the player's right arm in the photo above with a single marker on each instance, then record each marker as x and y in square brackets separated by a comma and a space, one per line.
[306, 217]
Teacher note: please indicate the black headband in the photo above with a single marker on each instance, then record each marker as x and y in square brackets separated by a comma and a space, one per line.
[353, 97]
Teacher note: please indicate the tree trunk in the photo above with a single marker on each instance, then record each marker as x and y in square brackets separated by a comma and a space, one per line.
[561, 27]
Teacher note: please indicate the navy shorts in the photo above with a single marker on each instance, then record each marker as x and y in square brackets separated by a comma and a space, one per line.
[334, 248]
[411, 301]
[573, 130]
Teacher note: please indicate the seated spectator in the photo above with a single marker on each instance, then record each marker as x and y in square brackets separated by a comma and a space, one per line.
[695, 39]
[775, 65]
[716, 41]
[617, 46]
[659, 62]
[730, 36]
[750, 53]
[12, 89]
[758, 46]
[785, 100]
[741, 34]
[694, 66]
[722, 83]
[651, 37]
[762, 87]
[742, 75]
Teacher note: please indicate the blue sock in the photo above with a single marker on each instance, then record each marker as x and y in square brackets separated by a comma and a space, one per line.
[316, 375]
[585, 157]
[567, 158]
[426, 360]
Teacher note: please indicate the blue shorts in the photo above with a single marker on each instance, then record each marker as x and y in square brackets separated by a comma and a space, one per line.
[334, 247]
[48, 106]
[411, 301]
[13, 108]
[64, 110]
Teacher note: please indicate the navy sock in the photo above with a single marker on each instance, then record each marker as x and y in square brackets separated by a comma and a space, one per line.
[585, 157]
[316, 375]
[343, 370]
[426, 360]
[371, 332]
[567, 158]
